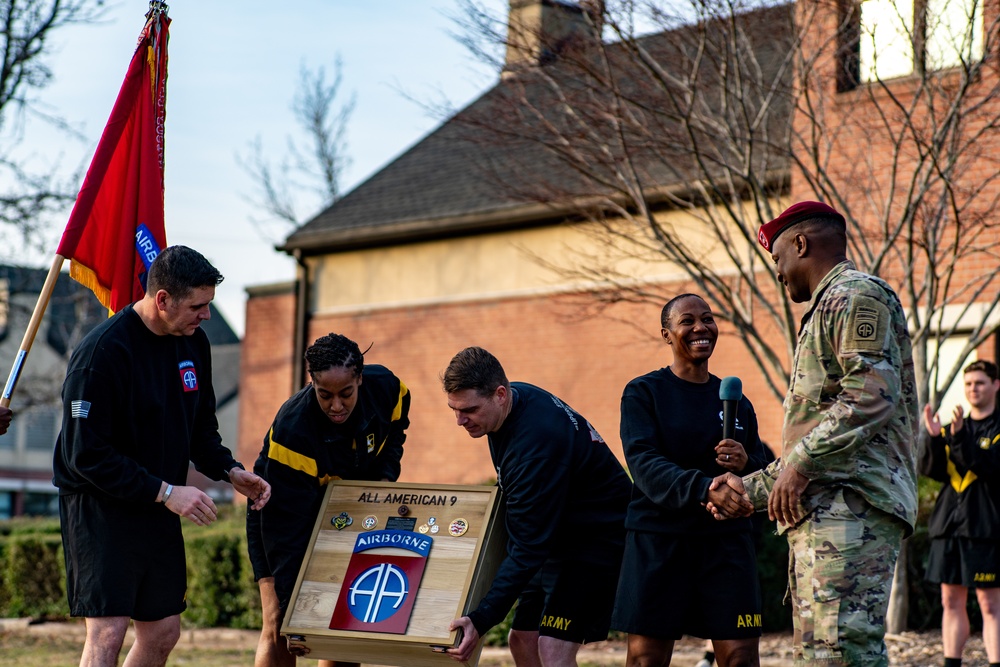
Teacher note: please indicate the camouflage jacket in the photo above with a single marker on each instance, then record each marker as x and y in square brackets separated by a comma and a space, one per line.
[851, 408]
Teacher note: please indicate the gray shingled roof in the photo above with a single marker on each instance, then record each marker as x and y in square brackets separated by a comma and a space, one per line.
[496, 163]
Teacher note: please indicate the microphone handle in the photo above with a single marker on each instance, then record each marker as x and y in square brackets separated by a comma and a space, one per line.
[728, 420]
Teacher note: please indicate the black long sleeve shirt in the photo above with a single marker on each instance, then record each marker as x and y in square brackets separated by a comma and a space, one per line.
[137, 407]
[669, 431]
[565, 491]
[303, 450]
[968, 464]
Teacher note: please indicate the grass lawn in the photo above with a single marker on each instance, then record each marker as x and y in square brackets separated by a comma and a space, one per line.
[24, 650]
[27, 649]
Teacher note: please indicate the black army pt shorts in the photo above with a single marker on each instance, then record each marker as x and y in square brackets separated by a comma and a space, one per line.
[702, 585]
[122, 559]
[255, 546]
[962, 561]
[568, 600]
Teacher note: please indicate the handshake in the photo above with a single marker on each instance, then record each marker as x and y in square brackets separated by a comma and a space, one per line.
[727, 498]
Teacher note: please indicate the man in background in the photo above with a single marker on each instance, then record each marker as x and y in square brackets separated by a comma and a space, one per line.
[965, 524]
[6, 414]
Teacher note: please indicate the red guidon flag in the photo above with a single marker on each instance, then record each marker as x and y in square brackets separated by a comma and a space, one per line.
[116, 227]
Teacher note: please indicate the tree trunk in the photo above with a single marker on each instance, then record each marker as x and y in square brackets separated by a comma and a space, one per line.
[899, 596]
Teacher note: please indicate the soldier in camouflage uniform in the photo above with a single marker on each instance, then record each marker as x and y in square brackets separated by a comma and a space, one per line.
[844, 489]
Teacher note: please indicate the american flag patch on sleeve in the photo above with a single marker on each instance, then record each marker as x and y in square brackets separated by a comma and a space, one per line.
[79, 409]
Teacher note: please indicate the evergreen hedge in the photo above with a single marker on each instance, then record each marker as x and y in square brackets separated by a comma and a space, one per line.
[221, 590]
[32, 577]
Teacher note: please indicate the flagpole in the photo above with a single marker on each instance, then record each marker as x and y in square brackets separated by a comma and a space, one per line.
[33, 325]
[100, 250]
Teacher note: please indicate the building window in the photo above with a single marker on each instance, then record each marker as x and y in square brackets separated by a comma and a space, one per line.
[40, 427]
[886, 39]
[953, 34]
[41, 504]
[948, 355]
[886, 44]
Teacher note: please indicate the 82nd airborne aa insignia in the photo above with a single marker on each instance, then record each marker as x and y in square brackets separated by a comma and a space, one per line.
[383, 586]
[189, 377]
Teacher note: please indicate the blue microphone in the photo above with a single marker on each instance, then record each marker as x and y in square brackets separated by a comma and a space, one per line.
[730, 393]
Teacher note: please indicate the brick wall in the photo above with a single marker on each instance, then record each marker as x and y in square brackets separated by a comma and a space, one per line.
[265, 364]
[543, 340]
[863, 139]
[585, 360]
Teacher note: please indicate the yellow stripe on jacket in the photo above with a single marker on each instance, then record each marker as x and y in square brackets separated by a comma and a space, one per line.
[397, 411]
[959, 483]
[281, 454]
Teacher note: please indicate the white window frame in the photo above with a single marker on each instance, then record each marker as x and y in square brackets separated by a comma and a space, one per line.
[890, 48]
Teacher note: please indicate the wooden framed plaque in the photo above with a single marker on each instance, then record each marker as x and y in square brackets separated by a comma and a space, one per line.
[389, 566]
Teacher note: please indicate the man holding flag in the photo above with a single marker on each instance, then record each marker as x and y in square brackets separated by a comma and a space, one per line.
[138, 402]
[138, 405]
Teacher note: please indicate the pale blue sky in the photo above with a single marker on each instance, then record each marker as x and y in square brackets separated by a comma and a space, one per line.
[232, 76]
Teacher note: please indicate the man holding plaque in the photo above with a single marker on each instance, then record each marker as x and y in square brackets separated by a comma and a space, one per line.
[562, 486]
[138, 407]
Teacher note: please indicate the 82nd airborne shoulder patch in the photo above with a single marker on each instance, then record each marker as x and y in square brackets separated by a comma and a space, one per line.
[867, 325]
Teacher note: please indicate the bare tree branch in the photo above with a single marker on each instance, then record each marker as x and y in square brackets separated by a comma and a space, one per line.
[674, 149]
[27, 194]
[313, 172]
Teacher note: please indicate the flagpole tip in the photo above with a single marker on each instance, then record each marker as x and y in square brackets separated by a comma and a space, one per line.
[156, 7]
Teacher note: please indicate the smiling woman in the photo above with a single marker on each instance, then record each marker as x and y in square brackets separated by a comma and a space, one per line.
[690, 330]
[672, 436]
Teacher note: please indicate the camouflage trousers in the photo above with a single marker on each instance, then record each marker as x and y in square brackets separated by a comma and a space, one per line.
[841, 561]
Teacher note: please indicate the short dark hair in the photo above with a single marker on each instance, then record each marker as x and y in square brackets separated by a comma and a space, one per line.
[474, 368]
[669, 308]
[178, 270]
[983, 365]
[822, 224]
[334, 351]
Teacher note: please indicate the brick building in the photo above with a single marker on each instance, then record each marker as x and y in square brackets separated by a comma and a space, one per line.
[455, 243]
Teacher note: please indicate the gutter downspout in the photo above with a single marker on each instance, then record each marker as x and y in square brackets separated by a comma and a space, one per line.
[301, 321]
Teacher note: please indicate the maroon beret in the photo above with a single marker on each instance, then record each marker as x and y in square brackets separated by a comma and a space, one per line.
[804, 210]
